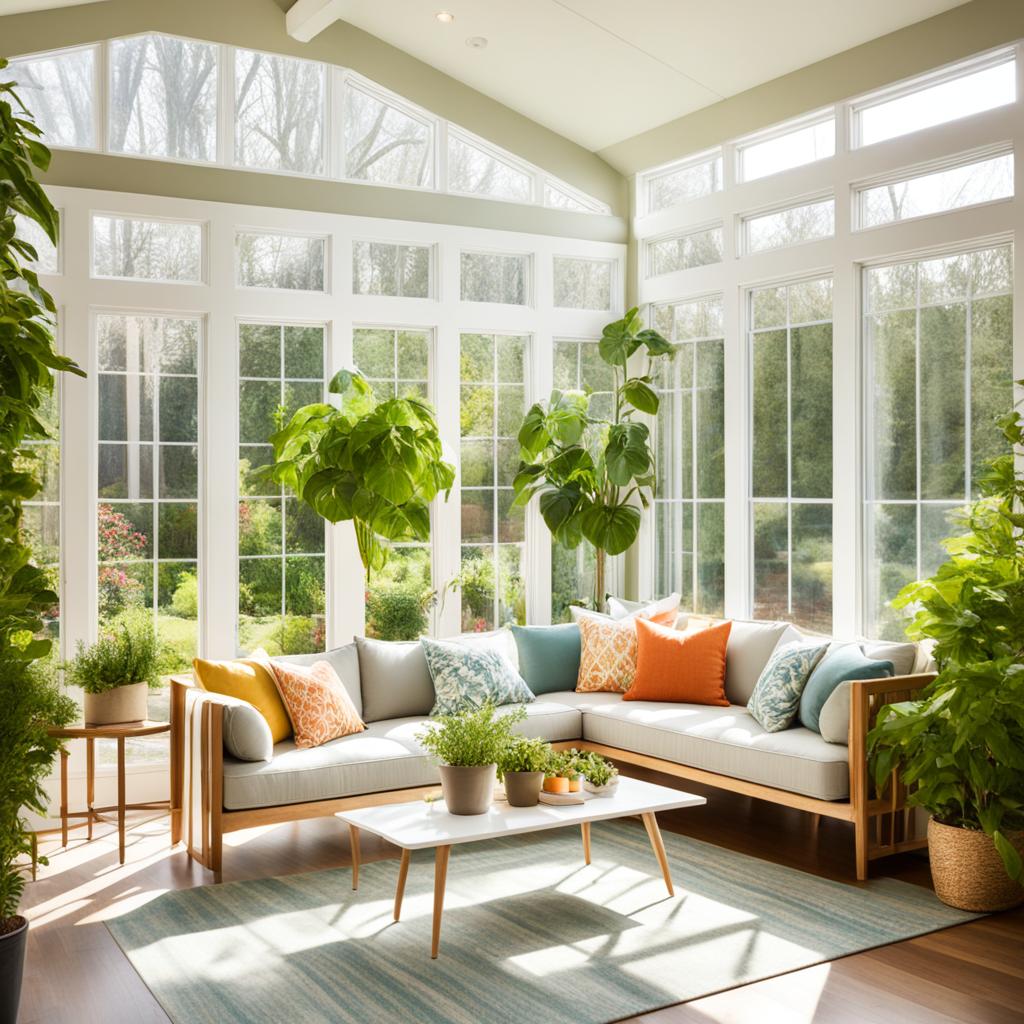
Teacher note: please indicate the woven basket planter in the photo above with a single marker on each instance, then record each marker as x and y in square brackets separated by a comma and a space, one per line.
[968, 872]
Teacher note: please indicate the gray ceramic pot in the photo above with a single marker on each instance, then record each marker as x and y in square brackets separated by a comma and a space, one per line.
[523, 788]
[468, 790]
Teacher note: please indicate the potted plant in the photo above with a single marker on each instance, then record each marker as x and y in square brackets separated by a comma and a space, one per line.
[600, 776]
[117, 671]
[522, 766]
[591, 472]
[562, 772]
[30, 698]
[469, 746]
[959, 748]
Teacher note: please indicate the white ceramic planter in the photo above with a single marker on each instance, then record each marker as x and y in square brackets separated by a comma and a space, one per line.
[122, 704]
[606, 790]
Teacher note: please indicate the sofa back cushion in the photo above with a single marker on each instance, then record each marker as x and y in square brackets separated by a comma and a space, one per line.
[751, 644]
[344, 661]
[549, 656]
[902, 655]
[395, 679]
[250, 680]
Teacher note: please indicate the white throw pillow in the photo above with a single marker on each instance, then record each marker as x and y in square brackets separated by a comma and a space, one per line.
[501, 641]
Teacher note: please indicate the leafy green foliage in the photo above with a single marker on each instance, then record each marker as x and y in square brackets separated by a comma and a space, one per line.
[961, 746]
[470, 738]
[30, 698]
[598, 770]
[127, 651]
[590, 473]
[524, 754]
[376, 463]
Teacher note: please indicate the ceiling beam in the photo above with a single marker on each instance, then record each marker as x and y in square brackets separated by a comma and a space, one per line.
[308, 18]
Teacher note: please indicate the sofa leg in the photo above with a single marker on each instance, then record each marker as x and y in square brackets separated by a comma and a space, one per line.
[861, 844]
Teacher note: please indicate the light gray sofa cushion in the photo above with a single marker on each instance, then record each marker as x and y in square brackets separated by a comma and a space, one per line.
[749, 648]
[723, 740]
[902, 655]
[395, 679]
[834, 717]
[344, 661]
[385, 756]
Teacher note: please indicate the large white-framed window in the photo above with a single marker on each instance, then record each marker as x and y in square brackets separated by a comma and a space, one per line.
[281, 260]
[142, 249]
[792, 225]
[388, 268]
[938, 337]
[684, 250]
[62, 90]
[495, 277]
[683, 181]
[793, 144]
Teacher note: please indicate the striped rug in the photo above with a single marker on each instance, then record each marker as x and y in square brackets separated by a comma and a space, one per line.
[529, 934]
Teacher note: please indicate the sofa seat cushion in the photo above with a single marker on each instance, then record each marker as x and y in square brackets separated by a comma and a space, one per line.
[727, 741]
[385, 756]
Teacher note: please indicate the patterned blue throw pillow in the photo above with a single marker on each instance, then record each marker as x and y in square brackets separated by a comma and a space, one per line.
[776, 697]
[468, 677]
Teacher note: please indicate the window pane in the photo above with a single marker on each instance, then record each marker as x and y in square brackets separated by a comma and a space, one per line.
[562, 198]
[47, 257]
[682, 252]
[771, 560]
[811, 603]
[936, 104]
[399, 596]
[681, 184]
[492, 405]
[279, 113]
[803, 145]
[381, 268]
[58, 88]
[147, 250]
[770, 395]
[583, 283]
[788, 227]
[393, 360]
[941, 359]
[891, 565]
[493, 277]
[950, 189]
[572, 578]
[479, 172]
[280, 261]
[811, 410]
[385, 144]
[163, 97]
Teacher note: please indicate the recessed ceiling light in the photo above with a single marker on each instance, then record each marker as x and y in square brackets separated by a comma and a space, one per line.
[476, 42]
[445, 17]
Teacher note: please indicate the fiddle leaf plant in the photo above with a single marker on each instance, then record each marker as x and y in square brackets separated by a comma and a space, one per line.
[591, 473]
[377, 463]
[960, 747]
[30, 696]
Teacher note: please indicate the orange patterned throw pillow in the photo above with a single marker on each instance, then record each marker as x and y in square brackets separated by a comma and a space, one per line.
[317, 703]
[607, 655]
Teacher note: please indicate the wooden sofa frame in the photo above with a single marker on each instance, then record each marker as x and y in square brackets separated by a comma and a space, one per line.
[882, 822]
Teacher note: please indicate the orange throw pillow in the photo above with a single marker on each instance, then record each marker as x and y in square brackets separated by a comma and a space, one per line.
[685, 668]
[317, 702]
[607, 654]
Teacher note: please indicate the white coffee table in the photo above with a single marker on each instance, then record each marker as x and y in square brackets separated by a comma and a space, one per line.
[418, 826]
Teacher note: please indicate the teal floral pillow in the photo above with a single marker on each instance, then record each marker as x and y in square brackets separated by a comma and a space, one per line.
[468, 677]
[776, 697]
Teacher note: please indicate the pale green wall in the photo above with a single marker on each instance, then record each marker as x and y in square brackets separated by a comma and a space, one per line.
[260, 24]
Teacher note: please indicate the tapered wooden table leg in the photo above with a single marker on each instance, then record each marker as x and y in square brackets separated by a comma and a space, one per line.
[440, 875]
[353, 838]
[654, 833]
[403, 871]
[90, 780]
[585, 829]
[120, 797]
[63, 797]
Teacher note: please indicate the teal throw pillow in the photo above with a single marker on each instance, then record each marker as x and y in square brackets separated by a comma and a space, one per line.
[845, 663]
[549, 656]
[776, 697]
[468, 677]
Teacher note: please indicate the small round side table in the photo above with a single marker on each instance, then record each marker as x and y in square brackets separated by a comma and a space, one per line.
[120, 731]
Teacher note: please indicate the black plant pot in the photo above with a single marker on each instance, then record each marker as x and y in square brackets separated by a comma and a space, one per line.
[12, 963]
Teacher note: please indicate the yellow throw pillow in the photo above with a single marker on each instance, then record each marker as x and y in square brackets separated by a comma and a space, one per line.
[318, 704]
[607, 655]
[248, 679]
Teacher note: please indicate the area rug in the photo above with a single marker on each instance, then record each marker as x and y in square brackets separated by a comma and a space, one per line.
[530, 933]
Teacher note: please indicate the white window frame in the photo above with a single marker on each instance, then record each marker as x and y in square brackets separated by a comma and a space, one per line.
[678, 236]
[121, 215]
[502, 156]
[528, 279]
[752, 215]
[432, 257]
[242, 229]
[706, 156]
[779, 131]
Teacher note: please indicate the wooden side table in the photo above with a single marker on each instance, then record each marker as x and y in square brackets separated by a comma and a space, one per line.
[90, 733]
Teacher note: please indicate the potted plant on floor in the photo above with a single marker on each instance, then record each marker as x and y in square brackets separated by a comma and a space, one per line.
[960, 747]
[30, 697]
[600, 776]
[522, 766]
[469, 746]
[117, 671]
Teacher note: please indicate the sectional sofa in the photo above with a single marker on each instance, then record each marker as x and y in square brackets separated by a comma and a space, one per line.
[223, 778]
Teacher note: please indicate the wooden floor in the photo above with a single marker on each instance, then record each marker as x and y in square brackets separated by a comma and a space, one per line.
[76, 974]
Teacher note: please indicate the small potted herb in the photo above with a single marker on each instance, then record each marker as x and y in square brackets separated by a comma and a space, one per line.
[117, 671]
[561, 774]
[522, 765]
[600, 776]
[469, 746]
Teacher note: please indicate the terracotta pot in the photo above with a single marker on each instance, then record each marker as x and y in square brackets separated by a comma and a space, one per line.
[468, 789]
[575, 784]
[522, 789]
[967, 870]
[122, 704]
[12, 966]
[556, 784]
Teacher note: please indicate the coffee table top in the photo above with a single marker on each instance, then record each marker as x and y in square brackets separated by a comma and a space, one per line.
[418, 825]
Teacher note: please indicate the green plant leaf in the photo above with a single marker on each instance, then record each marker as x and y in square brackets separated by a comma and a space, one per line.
[613, 528]
[639, 393]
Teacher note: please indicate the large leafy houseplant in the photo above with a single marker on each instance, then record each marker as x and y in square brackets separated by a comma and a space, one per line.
[591, 473]
[30, 697]
[377, 463]
[960, 747]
